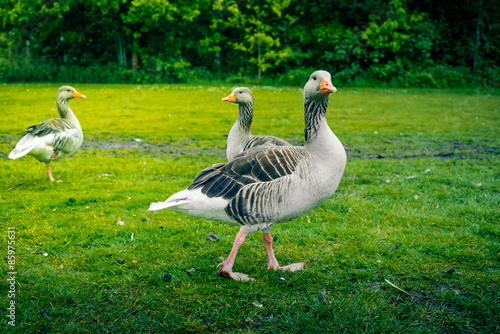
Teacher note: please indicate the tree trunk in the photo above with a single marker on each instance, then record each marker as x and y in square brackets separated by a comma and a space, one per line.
[120, 49]
[259, 53]
[478, 36]
[259, 68]
[28, 53]
[135, 55]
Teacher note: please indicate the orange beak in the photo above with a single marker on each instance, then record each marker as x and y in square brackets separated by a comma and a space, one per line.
[76, 94]
[326, 87]
[230, 98]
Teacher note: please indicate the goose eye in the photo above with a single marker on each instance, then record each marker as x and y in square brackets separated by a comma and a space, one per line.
[241, 92]
[314, 78]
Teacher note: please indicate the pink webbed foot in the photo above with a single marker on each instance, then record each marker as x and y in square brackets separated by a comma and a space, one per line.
[225, 272]
[272, 263]
[293, 267]
[226, 267]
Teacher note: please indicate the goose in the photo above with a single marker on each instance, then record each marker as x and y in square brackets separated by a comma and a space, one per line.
[267, 185]
[56, 138]
[240, 137]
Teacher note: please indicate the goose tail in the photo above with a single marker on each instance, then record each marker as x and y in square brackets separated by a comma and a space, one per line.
[23, 147]
[167, 204]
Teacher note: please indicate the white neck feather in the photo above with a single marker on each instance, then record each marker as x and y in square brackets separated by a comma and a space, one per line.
[67, 114]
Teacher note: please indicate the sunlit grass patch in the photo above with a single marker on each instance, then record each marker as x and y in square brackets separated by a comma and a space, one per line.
[417, 206]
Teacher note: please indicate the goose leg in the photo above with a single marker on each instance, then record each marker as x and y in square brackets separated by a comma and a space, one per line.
[226, 267]
[271, 258]
[49, 170]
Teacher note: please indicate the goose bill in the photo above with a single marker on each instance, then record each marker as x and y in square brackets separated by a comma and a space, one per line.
[230, 98]
[76, 94]
[326, 86]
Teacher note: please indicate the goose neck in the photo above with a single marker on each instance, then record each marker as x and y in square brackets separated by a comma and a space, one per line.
[245, 116]
[66, 113]
[314, 116]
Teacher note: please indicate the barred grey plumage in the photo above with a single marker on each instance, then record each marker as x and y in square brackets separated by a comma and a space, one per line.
[55, 138]
[240, 137]
[266, 185]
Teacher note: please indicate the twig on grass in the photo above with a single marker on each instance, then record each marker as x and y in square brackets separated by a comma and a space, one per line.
[14, 187]
[405, 292]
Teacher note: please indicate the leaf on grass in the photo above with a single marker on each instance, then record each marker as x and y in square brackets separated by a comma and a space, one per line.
[120, 223]
[167, 278]
[212, 237]
[192, 270]
[256, 303]
[322, 293]
[43, 313]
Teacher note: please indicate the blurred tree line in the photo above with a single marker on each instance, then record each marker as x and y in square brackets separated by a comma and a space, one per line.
[399, 42]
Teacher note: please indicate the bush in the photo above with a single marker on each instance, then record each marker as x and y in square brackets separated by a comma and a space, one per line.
[295, 77]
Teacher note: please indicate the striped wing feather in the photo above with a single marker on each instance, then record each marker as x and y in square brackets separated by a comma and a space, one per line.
[51, 126]
[266, 141]
[256, 165]
[64, 134]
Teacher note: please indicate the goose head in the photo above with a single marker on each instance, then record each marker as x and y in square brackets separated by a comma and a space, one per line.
[319, 87]
[240, 95]
[67, 93]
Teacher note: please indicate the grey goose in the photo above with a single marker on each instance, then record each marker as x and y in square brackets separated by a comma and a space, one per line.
[267, 185]
[56, 138]
[240, 137]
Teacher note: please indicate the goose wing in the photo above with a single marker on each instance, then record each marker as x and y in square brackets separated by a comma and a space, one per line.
[59, 134]
[265, 141]
[256, 165]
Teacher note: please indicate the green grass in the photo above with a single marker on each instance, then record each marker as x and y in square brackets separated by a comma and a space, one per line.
[420, 195]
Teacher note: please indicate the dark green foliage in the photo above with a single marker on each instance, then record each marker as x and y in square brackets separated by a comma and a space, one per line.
[396, 42]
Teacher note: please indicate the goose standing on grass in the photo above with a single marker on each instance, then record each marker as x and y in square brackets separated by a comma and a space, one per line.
[56, 138]
[240, 138]
[263, 186]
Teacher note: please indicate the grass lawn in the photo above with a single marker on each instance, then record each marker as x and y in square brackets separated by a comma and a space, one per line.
[418, 207]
